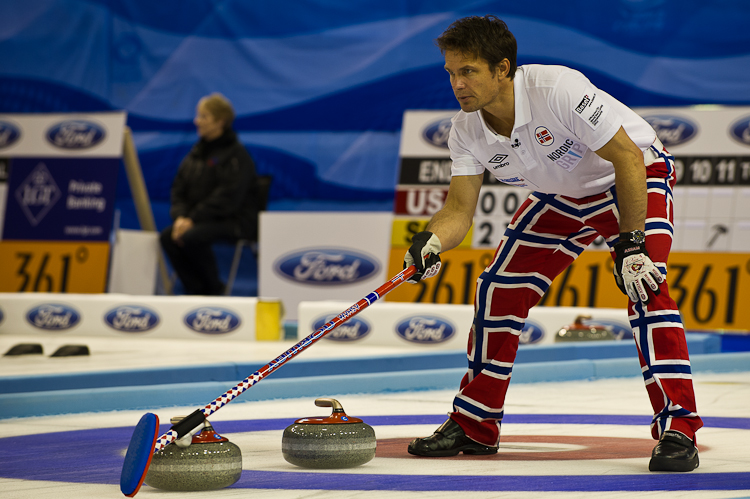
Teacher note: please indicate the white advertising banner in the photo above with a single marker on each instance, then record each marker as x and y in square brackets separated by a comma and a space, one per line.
[186, 317]
[439, 326]
[97, 135]
[322, 255]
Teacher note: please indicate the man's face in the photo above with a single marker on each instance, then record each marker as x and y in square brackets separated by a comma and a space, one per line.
[474, 85]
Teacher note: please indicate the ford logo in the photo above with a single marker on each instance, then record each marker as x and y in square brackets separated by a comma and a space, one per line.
[53, 317]
[352, 330]
[437, 133]
[740, 130]
[672, 130]
[9, 134]
[212, 320]
[75, 134]
[1, 315]
[425, 329]
[131, 318]
[327, 266]
[531, 333]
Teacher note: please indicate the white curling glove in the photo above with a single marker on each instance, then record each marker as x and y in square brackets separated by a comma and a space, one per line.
[424, 253]
[634, 271]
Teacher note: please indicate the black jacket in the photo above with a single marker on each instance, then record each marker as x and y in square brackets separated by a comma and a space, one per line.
[216, 181]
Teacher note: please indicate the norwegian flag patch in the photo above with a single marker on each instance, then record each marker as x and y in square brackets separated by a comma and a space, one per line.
[544, 136]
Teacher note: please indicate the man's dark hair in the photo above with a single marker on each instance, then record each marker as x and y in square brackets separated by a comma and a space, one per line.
[487, 37]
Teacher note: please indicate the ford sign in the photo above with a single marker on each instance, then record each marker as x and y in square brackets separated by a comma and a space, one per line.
[75, 134]
[672, 130]
[9, 134]
[212, 320]
[437, 133]
[740, 131]
[327, 266]
[352, 330]
[425, 329]
[131, 318]
[53, 317]
[531, 333]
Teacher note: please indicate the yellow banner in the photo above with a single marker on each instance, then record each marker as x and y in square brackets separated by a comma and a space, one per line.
[53, 266]
[404, 229]
[712, 290]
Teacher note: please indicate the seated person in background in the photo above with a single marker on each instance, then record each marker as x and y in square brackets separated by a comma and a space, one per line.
[212, 198]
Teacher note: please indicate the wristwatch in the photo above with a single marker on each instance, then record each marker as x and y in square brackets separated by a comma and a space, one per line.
[637, 236]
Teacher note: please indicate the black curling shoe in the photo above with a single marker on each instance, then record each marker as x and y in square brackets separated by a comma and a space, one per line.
[448, 440]
[674, 452]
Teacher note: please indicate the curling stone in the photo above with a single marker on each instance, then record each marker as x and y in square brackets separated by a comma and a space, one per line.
[336, 441]
[207, 461]
[580, 331]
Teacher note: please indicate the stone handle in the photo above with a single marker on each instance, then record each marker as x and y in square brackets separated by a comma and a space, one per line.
[326, 402]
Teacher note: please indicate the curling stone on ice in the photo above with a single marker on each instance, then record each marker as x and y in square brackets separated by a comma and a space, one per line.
[336, 441]
[580, 331]
[205, 461]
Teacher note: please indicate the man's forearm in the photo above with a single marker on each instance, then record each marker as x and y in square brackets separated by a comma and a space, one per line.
[632, 197]
[450, 227]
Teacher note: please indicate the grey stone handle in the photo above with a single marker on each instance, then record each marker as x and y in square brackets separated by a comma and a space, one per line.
[326, 402]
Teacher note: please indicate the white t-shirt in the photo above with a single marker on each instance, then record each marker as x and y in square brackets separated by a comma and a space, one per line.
[561, 118]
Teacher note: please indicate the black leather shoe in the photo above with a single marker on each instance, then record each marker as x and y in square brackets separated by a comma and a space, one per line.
[448, 440]
[674, 452]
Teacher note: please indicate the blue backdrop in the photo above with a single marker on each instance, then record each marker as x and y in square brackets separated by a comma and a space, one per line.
[320, 86]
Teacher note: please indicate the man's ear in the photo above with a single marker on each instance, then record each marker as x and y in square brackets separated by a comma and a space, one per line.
[503, 68]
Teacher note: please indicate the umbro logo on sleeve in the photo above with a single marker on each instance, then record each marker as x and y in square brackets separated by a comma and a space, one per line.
[499, 161]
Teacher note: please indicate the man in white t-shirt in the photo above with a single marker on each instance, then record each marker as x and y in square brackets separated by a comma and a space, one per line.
[595, 168]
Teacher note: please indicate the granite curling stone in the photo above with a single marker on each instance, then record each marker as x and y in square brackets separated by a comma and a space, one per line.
[337, 441]
[581, 331]
[207, 461]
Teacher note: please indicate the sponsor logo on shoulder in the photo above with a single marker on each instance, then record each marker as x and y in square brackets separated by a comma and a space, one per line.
[499, 161]
[437, 132]
[9, 134]
[327, 266]
[544, 136]
[353, 329]
[672, 130]
[212, 320]
[425, 329]
[53, 317]
[131, 318]
[76, 134]
[531, 333]
[740, 130]
[582, 105]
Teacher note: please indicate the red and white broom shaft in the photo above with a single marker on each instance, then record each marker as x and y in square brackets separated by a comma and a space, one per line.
[199, 415]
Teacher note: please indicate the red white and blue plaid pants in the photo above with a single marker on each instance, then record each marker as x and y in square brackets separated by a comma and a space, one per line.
[546, 235]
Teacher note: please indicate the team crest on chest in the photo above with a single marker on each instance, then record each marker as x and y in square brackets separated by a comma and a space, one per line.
[544, 136]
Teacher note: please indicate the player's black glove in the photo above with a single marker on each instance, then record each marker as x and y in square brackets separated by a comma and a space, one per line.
[634, 271]
[424, 253]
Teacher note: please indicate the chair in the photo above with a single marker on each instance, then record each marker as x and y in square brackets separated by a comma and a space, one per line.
[262, 190]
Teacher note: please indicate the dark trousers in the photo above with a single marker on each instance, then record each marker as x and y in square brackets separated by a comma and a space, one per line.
[194, 260]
